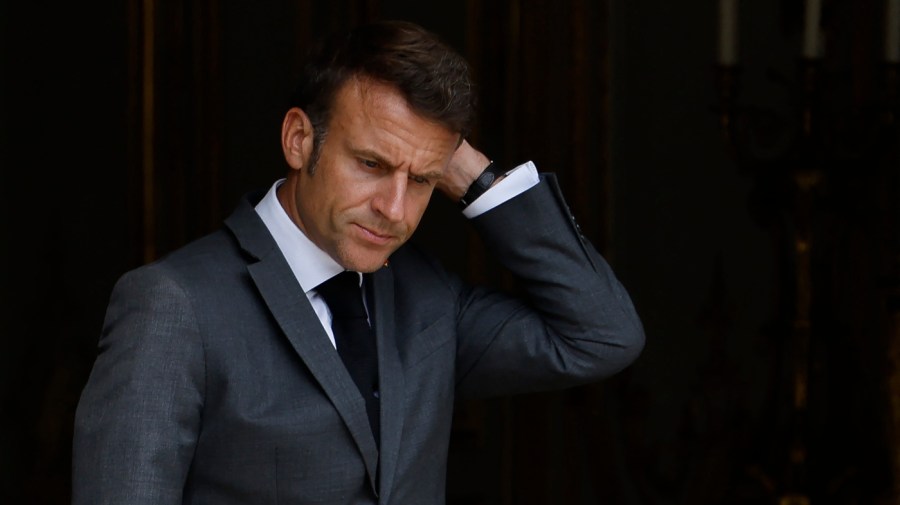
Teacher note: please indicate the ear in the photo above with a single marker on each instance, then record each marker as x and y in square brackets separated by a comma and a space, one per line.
[296, 138]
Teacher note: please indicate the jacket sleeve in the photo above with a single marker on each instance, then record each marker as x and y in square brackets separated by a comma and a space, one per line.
[139, 415]
[574, 323]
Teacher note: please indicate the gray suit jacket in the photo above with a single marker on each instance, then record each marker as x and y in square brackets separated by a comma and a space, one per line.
[216, 384]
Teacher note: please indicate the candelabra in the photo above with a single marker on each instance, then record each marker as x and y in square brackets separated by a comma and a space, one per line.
[820, 149]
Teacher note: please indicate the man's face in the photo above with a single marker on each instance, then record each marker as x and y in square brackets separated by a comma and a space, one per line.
[374, 177]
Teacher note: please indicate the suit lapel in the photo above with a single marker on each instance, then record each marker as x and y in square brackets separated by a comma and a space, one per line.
[291, 309]
[390, 377]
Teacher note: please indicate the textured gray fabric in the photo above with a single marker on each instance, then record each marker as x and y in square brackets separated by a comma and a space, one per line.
[216, 384]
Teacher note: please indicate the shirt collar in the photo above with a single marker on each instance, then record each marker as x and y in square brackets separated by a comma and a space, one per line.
[310, 265]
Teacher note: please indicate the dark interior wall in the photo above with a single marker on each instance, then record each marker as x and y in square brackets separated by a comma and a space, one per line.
[65, 221]
[706, 236]
[701, 271]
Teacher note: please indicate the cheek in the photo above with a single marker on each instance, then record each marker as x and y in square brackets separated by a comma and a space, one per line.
[347, 193]
[415, 209]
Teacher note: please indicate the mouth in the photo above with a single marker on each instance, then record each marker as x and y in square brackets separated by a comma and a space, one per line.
[374, 237]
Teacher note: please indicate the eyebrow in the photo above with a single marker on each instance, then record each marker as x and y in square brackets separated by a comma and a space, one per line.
[433, 175]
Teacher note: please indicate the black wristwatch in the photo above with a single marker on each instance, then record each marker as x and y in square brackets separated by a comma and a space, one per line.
[481, 184]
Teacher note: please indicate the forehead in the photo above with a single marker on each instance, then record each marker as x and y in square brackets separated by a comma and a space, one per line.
[377, 114]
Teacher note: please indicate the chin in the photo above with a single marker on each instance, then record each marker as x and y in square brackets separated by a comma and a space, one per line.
[362, 258]
[364, 265]
[367, 268]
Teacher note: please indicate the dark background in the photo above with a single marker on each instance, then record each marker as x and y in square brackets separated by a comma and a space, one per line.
[764, 259]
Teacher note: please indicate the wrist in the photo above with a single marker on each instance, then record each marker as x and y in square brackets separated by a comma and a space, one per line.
[466, 165]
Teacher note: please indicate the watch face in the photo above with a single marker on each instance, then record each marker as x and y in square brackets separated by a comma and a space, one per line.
[485, 179]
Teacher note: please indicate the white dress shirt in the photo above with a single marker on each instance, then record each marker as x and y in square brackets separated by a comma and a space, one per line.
[313, 266]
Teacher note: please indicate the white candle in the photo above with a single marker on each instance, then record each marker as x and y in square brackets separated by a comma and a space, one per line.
[728, 32]
[811, 29]
[892, 31]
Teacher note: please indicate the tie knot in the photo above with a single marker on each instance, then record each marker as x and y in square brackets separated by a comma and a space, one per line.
[343, 295]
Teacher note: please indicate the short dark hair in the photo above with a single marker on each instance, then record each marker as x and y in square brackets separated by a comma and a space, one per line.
[432, 77]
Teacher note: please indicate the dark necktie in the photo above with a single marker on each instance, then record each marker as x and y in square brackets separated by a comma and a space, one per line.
[354, 339]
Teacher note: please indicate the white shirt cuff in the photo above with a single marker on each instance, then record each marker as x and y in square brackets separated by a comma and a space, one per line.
[517, 181]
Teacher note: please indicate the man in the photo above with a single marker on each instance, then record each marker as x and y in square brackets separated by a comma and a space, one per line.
[227, 372]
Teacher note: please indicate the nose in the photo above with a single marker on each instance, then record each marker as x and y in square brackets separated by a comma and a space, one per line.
[389, 201]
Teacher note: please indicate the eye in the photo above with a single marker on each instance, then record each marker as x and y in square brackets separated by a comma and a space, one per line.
[369, 163]
[418, 179]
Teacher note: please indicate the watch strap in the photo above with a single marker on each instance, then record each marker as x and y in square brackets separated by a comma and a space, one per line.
[481, 184]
